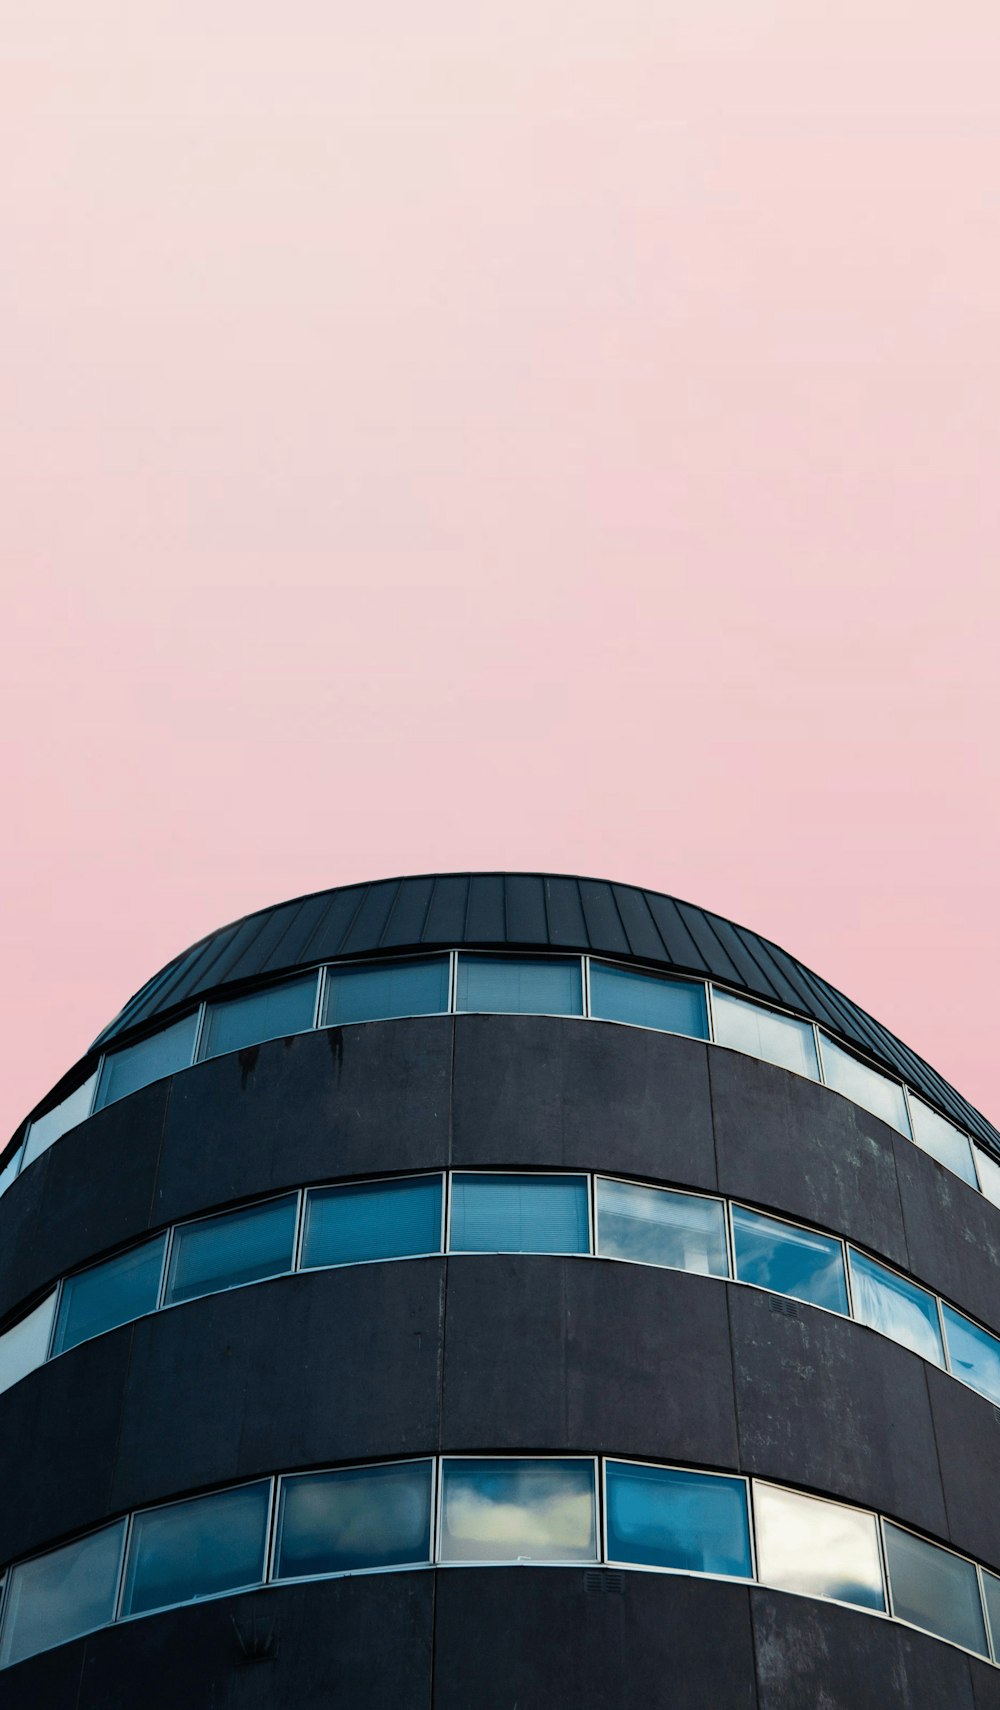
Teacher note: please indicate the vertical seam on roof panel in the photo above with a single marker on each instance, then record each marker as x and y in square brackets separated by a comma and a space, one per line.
[389, 916]
[583, 916]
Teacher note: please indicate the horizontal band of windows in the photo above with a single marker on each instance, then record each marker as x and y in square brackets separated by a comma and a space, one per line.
[477, 1211]
[459, 982]
[490, 1510]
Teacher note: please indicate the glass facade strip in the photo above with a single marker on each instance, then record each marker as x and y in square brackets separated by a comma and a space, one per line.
[385, 991]
[519, 1214]
[365, 1221]
[62, 1594]
[25, 1345]
[507, 985]
[973, 1354]
[647, 1000]
[942, 1140]
[887, 1302]
[274, 1013]
[669, 1518]
[934, 1589]
[765, 1033]
[150, 1059]
[73, 1109]
[818, 1548]
[9, 1172]
[507, 1510]
[988, 1171]
[354, 1520]
[789, 1260]
[991, 1598]
[198, 1548]
[657, 1226]
[865, 1086]
[234, 1248]
[107, 1295]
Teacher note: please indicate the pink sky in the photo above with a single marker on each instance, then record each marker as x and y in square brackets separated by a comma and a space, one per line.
[520, 435]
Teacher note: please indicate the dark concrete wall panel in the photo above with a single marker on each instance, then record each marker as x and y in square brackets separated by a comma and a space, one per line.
[661, 1642]
[816, 1656]
[563, 1354]
[967, 1430]
[788, 1143]
[952, 1234]
[344, 1101]
[542, 1092]
[832, 1406]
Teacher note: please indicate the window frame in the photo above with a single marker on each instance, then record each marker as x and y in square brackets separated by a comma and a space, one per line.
[807, 1229]
[270, 1479]
[883, 1521]
[873, 1514]
[597, 1176]
[664, 977]
[443, 1175]
[274, 1535]
[870, 1258]
[586, 1176]
[598, 1560]
[698, 1472]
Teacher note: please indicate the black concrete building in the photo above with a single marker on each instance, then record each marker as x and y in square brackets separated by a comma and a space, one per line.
[499, 1291]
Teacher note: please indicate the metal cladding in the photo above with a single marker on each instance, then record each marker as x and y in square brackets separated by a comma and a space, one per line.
[528, 911]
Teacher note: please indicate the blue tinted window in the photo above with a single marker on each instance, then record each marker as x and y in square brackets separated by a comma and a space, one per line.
[662, 1517]
[789, 1260]
[974, 1353]
[934, 1589]
[62, 1594]
[655, 1226]
[161, 1054]
[196, 1549]
[363, 1517]
[9, 1172]
[887, 1302]
[271, 1014]
[372, 1220]
[511, 1510]
[106, 1295]
[519, 1214]
[386, 989]
[236, 1247]
[646, 1000]
[505, 985]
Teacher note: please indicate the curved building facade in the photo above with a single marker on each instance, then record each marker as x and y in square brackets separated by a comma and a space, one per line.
[506, 1291]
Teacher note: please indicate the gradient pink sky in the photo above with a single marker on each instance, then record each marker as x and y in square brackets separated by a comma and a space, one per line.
[518, 435]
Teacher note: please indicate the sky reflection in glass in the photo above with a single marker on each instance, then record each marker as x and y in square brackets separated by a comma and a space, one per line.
[819, 1548]
[789, 1260]
[62, 1594]
[761, 1032]
[888, 1303]
[363, 1517]
[199, 1548]
[510, 1510]
[655, 1226]
[974, 1354]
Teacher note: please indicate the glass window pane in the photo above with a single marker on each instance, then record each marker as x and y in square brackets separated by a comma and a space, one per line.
[110, 1294]
[55, 1123]
[234, 1248]
[655, 1226]
[974, 1353]
[62, 1594]
[936, 1135]
[387, 989]
[789, 1260]
[988, 1171]
[761, 1032]
[819, 1548]
[161, 1054]
[511, 1511]
[372, 1220]
[9, 1172]
[197, 1548]
[991, 1593]
[272, 1014]
[364, 1517]
[865, 1086]
[663, 1517]
[888, 1303]
[934, 1589]
[519, 1214]
[647, 1000]
[503, 985]
[25, 1345]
